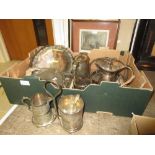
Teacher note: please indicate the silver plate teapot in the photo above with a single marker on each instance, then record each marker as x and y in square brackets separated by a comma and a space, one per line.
[110, 69]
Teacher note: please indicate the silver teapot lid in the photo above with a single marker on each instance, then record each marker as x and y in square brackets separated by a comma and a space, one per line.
[109, 64]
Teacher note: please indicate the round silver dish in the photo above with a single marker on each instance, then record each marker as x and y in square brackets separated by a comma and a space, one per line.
[56, 58]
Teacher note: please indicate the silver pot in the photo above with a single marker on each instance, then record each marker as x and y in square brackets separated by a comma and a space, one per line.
[70, 109]
[81, 65]
[41, 106]
[43, 120]
[81, 70]
[109, 69]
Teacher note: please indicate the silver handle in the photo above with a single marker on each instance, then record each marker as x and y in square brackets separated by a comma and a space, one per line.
[131, 78]
[55, 96]
[27, 101]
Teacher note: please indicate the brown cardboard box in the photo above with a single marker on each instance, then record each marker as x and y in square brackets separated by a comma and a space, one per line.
[107, 96]
[142, 125]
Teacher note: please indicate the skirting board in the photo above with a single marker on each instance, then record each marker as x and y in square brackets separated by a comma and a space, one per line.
[8, 114]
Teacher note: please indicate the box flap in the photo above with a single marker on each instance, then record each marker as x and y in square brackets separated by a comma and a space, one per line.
[133, 127]
[142, 125]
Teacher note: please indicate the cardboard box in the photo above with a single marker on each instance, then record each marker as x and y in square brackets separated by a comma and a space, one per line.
[108, 96]
[142, 125]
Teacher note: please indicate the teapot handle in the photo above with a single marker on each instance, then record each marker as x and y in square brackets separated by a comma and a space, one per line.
[131, 78]
[93, 61]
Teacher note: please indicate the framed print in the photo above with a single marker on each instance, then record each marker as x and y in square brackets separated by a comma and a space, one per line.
[93, 34]
[93, 39]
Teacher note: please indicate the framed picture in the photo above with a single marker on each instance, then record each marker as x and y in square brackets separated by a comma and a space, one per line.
[93, 39]
[93, 34]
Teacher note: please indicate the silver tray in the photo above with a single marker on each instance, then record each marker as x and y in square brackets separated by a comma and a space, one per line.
[57, 58]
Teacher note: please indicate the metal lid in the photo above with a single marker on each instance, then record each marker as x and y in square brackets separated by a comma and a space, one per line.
[109, 64]
[70, 104]
[82, 57]
[40, 99]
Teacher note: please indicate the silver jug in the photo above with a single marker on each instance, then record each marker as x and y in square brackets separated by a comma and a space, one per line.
[70, 109]
[81, 70]
[40, 104]
[81, 65]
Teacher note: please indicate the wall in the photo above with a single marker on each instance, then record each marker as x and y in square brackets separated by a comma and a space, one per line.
[125, 34]
[60, 31]
[4, 57]
[153, 51]
[60, 28]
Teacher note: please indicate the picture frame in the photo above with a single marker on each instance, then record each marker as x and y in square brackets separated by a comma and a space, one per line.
[86, 35]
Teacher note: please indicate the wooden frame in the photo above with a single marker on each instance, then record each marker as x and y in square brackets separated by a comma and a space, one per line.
[49, 30]
[107, 29]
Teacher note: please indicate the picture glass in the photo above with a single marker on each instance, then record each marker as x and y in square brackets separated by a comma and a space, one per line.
[93, 39]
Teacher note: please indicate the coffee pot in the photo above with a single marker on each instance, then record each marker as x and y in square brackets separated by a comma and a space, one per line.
[109, 69]
[81, 70]
[81, 65]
